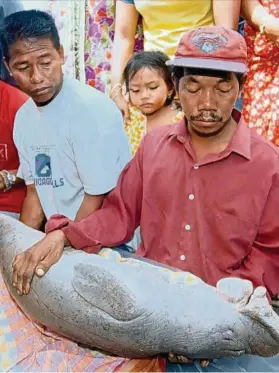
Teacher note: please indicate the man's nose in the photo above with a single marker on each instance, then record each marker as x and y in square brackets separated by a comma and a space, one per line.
[36, 77]
[208, 101]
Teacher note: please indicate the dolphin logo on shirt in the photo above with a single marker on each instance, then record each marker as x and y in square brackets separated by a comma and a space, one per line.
[44, 173]
[42, 165]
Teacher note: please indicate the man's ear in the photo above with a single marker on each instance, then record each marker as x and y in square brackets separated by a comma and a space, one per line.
[176, 85]
[61, 54]
[7, 66]
[242, 83]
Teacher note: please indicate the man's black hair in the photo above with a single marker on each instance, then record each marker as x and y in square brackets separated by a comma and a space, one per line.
[151, 60]
[180, 71]
[27, 24]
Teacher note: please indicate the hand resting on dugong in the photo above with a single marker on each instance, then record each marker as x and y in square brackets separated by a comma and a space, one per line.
[134, 309]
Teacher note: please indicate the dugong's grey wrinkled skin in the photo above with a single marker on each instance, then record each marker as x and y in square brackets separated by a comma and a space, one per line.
[135, 310]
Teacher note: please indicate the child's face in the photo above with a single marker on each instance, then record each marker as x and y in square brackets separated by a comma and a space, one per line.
[148, 91]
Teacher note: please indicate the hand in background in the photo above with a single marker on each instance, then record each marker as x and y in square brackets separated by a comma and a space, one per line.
[123, 106]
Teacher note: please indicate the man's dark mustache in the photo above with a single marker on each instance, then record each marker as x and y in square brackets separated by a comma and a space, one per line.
[203, 118]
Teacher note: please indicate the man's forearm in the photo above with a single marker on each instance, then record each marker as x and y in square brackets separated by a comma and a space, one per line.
[32, 214]
[89, 205]
[248, 8]
[4, 181]
[18, 180]
[226, 13]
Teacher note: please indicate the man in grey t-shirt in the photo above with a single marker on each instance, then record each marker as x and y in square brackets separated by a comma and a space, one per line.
[70, 137]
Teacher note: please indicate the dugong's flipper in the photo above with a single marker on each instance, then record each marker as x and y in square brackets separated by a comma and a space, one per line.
[254, 304]
[99, 287]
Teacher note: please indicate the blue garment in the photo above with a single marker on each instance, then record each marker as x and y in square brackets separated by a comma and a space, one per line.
[239, 104]
[241, 26]
[128, 1]
[245, 363]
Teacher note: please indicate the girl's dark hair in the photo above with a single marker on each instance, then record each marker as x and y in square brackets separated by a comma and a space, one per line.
[152, 60]
[27, 24]
[179, 72]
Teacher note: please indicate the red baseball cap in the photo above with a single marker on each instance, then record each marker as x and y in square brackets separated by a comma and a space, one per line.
[212, 47]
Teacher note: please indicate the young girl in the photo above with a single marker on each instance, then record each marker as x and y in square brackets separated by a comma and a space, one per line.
[151, 95]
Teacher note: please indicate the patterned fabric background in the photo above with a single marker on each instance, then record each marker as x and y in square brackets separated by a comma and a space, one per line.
[98, 42]
[261, 103]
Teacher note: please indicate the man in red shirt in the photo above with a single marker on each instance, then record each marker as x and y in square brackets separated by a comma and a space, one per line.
[205, 191]
[12, 189]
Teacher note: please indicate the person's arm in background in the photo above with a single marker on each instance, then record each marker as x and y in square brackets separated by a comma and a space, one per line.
[261, 266]
[32, 213]
[126, 19]
[255, 14]
[226, 13]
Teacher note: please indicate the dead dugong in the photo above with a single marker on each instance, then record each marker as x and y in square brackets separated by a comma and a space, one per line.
[134, 309]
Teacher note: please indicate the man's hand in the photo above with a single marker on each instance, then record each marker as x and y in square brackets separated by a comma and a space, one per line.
[184, 360]
[2, 184]
[37, 260]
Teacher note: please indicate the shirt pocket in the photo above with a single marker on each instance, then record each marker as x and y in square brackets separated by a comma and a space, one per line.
[232, 224]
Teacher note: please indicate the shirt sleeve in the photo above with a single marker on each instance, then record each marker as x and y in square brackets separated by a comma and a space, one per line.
[16, 100]
[24, 172]
[115, 223]
[101, 149]
[261, 266]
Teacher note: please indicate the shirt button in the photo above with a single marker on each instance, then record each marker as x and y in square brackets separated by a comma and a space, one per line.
[182, 257]
[188, 227]
[191, 197]
[196, 167]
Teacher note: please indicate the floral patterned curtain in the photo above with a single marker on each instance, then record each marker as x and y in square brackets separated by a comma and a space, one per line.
[69, 17]
[98, 42]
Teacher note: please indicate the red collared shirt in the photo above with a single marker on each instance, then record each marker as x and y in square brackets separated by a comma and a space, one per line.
[215, 218]
[11, 100]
